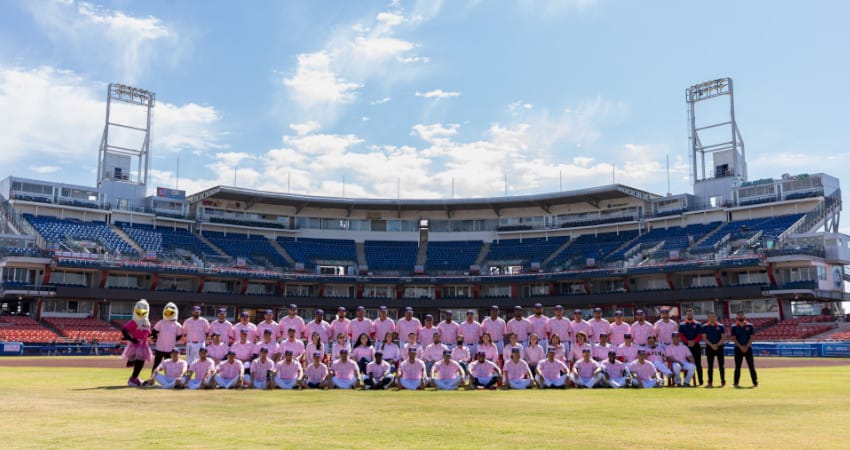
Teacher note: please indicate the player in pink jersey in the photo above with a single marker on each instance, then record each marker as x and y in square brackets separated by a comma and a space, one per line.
[641, 329]
[344, 372]
[362, 353]
[340, 325]
[262, 371]
[201, 371]
[598, 325]
[411, 344]
[586, 372]
[315, 345]
[643, 372]
[447, 374]
[288, 373]
[244, 324]
[578, 348]
[615, 373]
[513, 343]
[599, 350]
[229, 373]
[520, 326]
[580, 325]
[294, 321]
[169, 373]
[360, 324]
[165, 335]
[539, 325]
[268, 323]
[383, 325]
[488, 347]
[408, 324]
[448, 329]
[217, 350]
[378, 373]
[680, 357]
[426, 334]
[195, 329]
[656, 355]
[269, 344]
[619, 329]
[559, 347]
[551, 372]
[627, 351]
[433, 352]
[411, 372]
[517, 374]
[389, 350]
[318, 325]
[483, 372]
[340, 344]
[316, 374]
[496, 327]
[461, 353]
[665, 327]
[534, 353]
[559, 325]
[293, 344]
[244, 350]
[471, 330]
[222, 326]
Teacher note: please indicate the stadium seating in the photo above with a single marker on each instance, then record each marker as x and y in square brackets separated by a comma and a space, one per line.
[797, 328]
[308, 251]
[596, 246]
[745, 229]
[674, 238]
[840, 336]
[255, 249]
[82, 328]
[452, 256]
[23, 329]
[65, 231]
[165, 241]
[524, 251]
[391, 255]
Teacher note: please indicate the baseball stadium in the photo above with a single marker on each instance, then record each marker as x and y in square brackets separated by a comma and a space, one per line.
[97, 276]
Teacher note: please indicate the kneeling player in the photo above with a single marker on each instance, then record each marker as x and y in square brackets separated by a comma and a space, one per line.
[201, 371]
[551, 372]
[447, 374]
[516, 372]
[230, 372]
[643, 372]
[378, 373]
[485, 374]
[615, 373]
[170, 372]
[586, 372]
[288, 372]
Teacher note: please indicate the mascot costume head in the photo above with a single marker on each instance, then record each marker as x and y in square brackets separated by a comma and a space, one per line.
[170, 312]
[137, 332]
[141, 312]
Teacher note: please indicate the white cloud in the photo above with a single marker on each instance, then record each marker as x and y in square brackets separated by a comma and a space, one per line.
[43, 170]
[305, 128]
[517, 106]
[438, 94]
[389, 18]
[434, 132]
[316, 84]
[380, 101]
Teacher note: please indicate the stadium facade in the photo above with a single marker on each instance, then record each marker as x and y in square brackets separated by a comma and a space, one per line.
[769, 247]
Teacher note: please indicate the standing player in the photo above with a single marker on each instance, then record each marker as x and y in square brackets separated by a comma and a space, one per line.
[344, 372]
[559, 325]
[579, 325]
[690, 332]
[426, 334]
[447, 374]
[196, 329]
[230, 372]
[408, 324]
[586, 372]
[288, 372]
[378, 373]
[619, 329]
[539, 325]
[412, 374]
[742, 333]
[516, 372]
[172, 371]
[641, 329]
[244, 324]
[165, 334]
[383, 325]
[615, 373]
[360, 324]
[268, 323]
[340, 325]
[200, 374]
[318, 325]
[294, 321]
[222, 326]
[599, 325]
[551, 372]
[448, 330]
[470, 329]
[484, 373]
[665, 327]
[714, 332]
[643, 372]
[316, 374]
[520, 326]
[496, 327]
[262, 370]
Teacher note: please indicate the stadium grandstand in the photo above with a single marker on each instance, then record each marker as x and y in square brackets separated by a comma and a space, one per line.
[76, 258]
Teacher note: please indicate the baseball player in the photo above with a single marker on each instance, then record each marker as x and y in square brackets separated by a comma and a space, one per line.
[679, 356]
[615, 373]
[520, 326]
[619, 329]
[496, 327]
[170, 372]
[627, 351]
[262, 371]
[378, 373]
[449, 329]
[229, 373]
[340, 325]
[539, 325]
[434, 351]
[246, 325]
[360, 324]
[643, 372]
[517, 374]
[484, 373]
[293, 344]
[742, 332]
[292, 320]
[552, 372]
[383, 325]
[318, 325]
[408, 324]
[196, 329]
[579, 325]
[222, 326]
[316, 374]
[201, 371]
[470, 329]
[599, 325]
[513, 343]
[447, 374]
[559, 325]
[288, 372]
[600, 350]
[641, 329]
[344, 372]
[690, 333]
[665, 327]
[268, 323]
[426, 334]
[656, 355]
[268, 343]
[217, 350]
[586, 372]
[413, 375]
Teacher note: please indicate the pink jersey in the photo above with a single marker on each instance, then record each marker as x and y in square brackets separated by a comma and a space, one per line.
[237, 330]
[380, 328]
[323, 328]
[664, 330]
[295, 346]
[520, 327]
[627, 352]
[644, 372]
[296, 323]
[426, 335]
[461, 354]
[316, 374]
[448, 331]
[390, 352]
[375, 370]
[534, 353]
[471, 332]
[289, 371]
[172, 369]
[641, 331]
[491, 352]
[561, 327]
[678, 353]
[585, 369]
[196, 330]
[577, 350]
[551, 370]
[516, 370]
[618, 333]
[202, 368]
[357, 327]
[616, 369]
[260, 369]
[222, 328]
[434, 352]
[312, 348]
[484, 369]
[497, 328]
[412, 370]
[339, 326]
[229, 371]
[272, 348]
[508, 349]
[244, 351]
[539, 325]
[560, 351]
[581, 325]
[443, 370]
[405, 327]
[217, 351]
[600, 352]
[345, 370]
[599, 326]
[168, 331]
[407, 345]
[655, 354]
[271, 326]
[362, 352]
[337, 347]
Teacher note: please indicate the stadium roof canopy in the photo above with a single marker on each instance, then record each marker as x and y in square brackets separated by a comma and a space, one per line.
[594, 196]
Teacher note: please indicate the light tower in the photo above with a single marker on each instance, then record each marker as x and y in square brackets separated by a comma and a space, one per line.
[124, 156]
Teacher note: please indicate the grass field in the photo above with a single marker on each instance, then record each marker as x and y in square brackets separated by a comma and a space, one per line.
[85, 408]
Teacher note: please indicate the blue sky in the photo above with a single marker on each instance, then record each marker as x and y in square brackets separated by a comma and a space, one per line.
[411, 97]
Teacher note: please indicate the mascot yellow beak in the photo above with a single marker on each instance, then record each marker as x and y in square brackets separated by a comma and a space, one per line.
[168, 313]
[141, 313]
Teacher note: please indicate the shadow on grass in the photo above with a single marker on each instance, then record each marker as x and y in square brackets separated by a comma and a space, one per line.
[105, 388]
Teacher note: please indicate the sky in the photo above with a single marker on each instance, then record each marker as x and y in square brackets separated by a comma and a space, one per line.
[422, 99]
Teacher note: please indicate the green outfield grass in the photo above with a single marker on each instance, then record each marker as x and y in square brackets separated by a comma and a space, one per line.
[75, 407]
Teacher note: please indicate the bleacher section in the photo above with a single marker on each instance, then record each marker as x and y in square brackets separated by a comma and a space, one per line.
[88, 329]
[23, 329]
[309, 251]
[164, 240]
[457, 256]
[745, 229]
[674, 238]
[524, 251]
[64, 231]
[391, 255]
[797, 328]
[596, 246]
[255, 249]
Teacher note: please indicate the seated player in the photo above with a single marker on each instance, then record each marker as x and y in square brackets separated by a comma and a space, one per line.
[461, 353]
[517, 374]
[262, 371]
[656, 355]
[559, 347]
[314, 346]
[389, 350]
[316, 374]
[552, 372]
[244, 351]
[362, 352]
[340, 344]
[513, 343]
[534, 352]
[378, 374]
[344, 372]
[491, 350]
[229, 373]
[288, 372]
[643, 372]
[269, 344]
[412, 374]
[578, 348]
[433, 352]
[483, 372]
[680, 357]
[586, 372]
[447, 374]
[200, 374]
[217, 350]
[411, 343]
[615, 373]
[627, 351]
[599, 351]
[293, 344]
[170, 372]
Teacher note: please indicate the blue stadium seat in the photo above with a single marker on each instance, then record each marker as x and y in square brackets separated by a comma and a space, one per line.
[65, 231]
[308, 251]
[452, 256]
